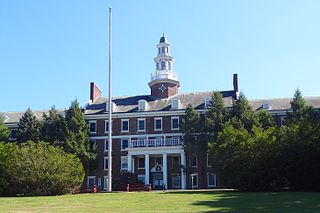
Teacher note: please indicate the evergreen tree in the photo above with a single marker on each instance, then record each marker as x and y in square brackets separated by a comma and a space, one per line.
[53, 127]
[265, 119]
[77, 134]
[300, 109]
[28, 128]
[4, 131]
[216, 115]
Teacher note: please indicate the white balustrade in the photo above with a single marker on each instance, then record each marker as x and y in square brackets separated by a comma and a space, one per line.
[155, 142]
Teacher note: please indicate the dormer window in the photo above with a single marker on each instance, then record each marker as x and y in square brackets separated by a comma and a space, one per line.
[113, 106]
[142, 105]
[265, 105]
[175, 103]
[207, 102]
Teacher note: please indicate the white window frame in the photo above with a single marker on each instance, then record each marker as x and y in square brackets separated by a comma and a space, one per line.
[125, 120]
[105, 125]
[143, 179]
[99, 181]
[144, 127]
[95, 122]
[191, 159]
[105, 167]
[283, 120]
[106, 145]
[215, 179]
[12, 139]
[155, 126]
[121, 144]
[172, 118]
[207, 102]
[208, 165]
[122, 158]
[176, 186]
[91, 177]
[195, 186]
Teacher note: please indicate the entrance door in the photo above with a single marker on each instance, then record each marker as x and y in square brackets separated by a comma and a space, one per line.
[157, 180]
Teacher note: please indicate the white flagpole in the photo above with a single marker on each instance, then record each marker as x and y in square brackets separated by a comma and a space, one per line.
[110, 106]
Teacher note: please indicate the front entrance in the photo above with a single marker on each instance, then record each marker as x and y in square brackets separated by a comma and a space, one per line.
[157, 180]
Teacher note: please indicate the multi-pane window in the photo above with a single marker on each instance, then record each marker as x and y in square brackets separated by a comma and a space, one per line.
[106, 145]
[176, 180]
[106, 126]
[93, 127]
[174, 123]
[105, 163]
[194, 179]
[194, 161]
[91, 182]
[124, 162]
[141, 163]
[158, 124]
[141, 124]
[141, 178]
[125, 125]
[211, 179]
[13, 134]
[124, 143]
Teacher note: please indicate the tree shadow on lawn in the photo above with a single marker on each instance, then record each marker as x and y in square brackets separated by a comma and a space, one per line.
[258, 201]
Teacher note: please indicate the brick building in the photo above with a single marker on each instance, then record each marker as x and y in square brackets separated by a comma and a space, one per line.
[146, 136]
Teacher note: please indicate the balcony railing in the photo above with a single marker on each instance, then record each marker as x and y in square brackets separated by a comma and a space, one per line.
[164, 75]
[155, 142]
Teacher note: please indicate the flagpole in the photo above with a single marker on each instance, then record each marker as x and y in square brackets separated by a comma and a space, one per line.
[110, 106]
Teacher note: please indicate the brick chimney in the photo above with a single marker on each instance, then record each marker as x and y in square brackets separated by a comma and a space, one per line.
[95, 92]
[235, 85]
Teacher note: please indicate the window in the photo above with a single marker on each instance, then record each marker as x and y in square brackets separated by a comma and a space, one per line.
[176, 180]
[141, 124]
[106, 145]
[157, 124]
[207, 102]
[105, 163]
[211, 179]
[99, 181]
[141, 163]
[163, 65]
[106, 126]
[92, 127]
[91, 181]
[141, 178]
[194, 161]
[125, 125]
[105, 183]
[175, 162]
[175, 103]
[174, 123]
[13, 134]
[283, 120]
[124, 144]
[142, 105]
[169, 66]
[194, 180]
[124, 163]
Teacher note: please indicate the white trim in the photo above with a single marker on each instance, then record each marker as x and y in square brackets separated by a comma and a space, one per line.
[99, 181]
[134, 136]
[121, 144]
[207, 102]
[13, 139]
[138, 167]
[106, 130]
[144, 127]
[172, 118]
[195, 175]
[95, 126]
[154, 123]
[125, 120]
[106, 145]
[91, 177]
[191, 160]
[283, 120]
[139, 114]
[215, 180]
[176, 175]
[105, 183]
[122, 158]
[104, 164]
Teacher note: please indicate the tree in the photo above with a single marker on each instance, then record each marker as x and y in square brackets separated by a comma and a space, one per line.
[216, 115]
[77, 134]
[300, 109]
[4, 131]
[53, 127]
[41, 169]
[28, 127]
[264, 118]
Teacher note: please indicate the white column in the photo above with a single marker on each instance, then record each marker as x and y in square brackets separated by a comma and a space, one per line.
[183, 174]
[147, 170]
[129, 163]
[164, 169]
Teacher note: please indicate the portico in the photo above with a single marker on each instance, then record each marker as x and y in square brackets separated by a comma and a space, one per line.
[153, 164]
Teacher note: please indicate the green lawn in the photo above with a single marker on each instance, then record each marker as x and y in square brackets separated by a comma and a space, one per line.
[175, 201]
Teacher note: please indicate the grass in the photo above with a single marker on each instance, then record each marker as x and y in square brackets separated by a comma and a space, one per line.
[175, 201]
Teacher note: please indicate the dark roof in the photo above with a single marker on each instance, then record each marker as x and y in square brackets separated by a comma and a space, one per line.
[163, 39]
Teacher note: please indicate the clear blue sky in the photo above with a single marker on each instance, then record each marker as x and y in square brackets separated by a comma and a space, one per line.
[50, 50]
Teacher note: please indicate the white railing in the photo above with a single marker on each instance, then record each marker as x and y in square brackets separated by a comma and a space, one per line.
[164, 75]
[155, 142]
